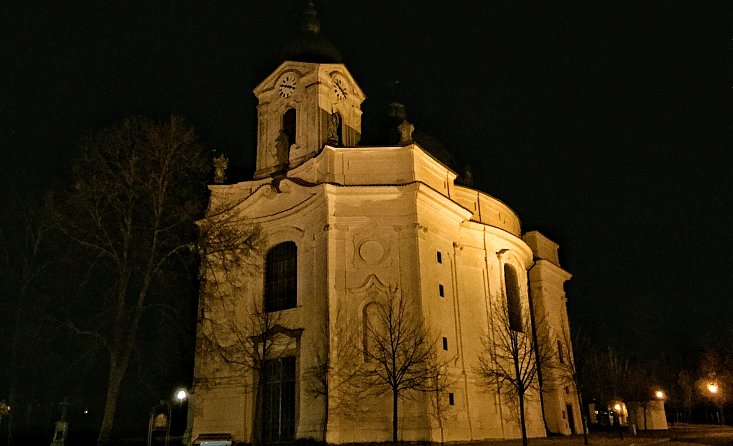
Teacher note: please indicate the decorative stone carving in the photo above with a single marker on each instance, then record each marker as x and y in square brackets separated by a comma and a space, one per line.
[406, 130]
[372, 251]
[333, 128]
[220, 167]
[282, 149]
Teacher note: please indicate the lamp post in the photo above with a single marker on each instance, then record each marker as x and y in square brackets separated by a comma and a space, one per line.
[181, 395]
[713, 390]
[4, 411]
[617, 408]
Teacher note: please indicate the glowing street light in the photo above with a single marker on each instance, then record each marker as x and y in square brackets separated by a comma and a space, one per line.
[713, 388]
[659, 394]
[181, 395]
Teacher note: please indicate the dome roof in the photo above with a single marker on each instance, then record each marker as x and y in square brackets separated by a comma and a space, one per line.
[309, 45]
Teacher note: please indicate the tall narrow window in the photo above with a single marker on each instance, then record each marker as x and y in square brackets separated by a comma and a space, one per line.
[513, 303]
[441, 290]
[559, 352]
[281, 277]
[445, 343]
[440, 257]
[451, 399]
[289, 125]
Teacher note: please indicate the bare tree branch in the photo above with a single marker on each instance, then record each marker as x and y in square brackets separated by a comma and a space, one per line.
[511, 359]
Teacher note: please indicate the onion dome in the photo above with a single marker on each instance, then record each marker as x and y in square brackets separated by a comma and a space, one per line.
[309, 45]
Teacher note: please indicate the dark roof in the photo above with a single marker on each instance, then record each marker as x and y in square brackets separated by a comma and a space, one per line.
[308, 44]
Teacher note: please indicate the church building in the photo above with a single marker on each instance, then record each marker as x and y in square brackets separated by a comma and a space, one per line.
[344, 225]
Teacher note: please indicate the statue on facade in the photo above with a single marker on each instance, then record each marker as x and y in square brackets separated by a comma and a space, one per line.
[333, 129]
[282, 149]
[406, 130]
[220, 167]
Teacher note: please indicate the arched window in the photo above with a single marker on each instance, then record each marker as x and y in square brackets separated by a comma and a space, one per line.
[281, 282]
[289, 125]
[513, 302]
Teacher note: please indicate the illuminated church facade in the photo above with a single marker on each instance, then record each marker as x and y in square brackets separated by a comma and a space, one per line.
[343, 224]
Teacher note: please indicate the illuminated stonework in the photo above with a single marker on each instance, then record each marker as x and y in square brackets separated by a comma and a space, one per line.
[365, 219]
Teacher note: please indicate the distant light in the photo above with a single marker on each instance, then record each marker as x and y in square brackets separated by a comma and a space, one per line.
[617, 407]
[713, 388]
[86, 411]
[659, 394]
[181, 395]
[596, 412]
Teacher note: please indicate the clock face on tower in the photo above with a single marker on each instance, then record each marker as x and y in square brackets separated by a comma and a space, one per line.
[286, 85]
[339, 88]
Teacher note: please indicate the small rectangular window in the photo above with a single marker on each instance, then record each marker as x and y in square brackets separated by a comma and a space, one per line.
[441, 291]
[440, 257]
[445, 343]
[451, 399]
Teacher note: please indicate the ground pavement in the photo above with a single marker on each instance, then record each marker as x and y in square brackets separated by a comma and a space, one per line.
[680, 435]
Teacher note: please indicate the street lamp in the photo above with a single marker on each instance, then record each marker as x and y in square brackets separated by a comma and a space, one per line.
[4, 411]
[181, 395]
[659, 394]
[713, 388]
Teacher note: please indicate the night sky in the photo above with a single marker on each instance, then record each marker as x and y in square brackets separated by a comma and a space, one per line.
[605, 125]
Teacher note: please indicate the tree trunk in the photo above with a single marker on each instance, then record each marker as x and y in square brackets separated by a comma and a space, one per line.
[645, 409]
[521, 419]
[257, 426]
[583, 417]
[394, 415]
[116, 374]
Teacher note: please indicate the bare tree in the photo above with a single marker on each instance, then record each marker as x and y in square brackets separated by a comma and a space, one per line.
[439, 404]
[400, 355]
[569, 371]
[511, 358]
[138, 189]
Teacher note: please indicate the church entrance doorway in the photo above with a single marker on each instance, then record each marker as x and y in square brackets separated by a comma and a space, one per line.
[278, 424]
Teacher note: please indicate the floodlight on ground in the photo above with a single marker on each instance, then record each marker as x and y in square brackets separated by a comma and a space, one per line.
[713, 388]
[659, 394]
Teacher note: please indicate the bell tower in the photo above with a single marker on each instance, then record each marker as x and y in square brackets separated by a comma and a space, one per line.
[309, 101]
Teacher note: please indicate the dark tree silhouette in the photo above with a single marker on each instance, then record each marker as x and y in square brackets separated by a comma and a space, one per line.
[139, 187]
[27, 253]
